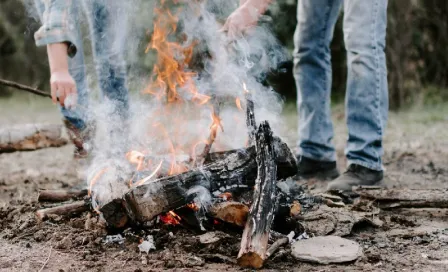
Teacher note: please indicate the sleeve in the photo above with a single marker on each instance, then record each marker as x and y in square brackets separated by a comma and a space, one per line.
[58, 24]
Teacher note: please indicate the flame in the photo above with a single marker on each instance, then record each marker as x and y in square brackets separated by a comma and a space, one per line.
[136, 157]
[238, 103]
[95, 179]
[170, 218]
[151, 175]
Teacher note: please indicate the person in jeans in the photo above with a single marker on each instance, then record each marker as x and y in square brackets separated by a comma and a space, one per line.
[61, 33]
[364, 26]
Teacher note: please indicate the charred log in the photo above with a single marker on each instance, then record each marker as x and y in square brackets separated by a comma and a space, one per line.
[255, 238]
[237, 169]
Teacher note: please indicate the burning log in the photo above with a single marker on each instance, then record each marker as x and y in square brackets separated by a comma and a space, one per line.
[31, 137]
[237, 169]
[250, 116]
[60, 195]
[261, 215]
[404, 198]
[65, 210]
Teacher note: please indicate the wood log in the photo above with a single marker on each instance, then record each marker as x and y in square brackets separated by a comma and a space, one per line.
[250, 118]
[276, 245]
[60, 195]
[255, 238]
[31, 137]
[64, 210]
[230, 212]
[404, 198]
[238, 169]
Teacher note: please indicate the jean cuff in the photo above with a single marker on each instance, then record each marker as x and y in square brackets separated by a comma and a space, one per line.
[371, 166]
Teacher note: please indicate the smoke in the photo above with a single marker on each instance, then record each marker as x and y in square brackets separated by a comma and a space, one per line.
[221, 65]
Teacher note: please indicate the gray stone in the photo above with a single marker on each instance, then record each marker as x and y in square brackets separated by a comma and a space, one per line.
[326, 250]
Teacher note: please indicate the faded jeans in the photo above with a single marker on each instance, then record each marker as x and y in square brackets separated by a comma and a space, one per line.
[107, 47]
[366, 103]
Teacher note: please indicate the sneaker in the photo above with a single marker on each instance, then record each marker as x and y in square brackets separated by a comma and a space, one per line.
[322, 170]
[79, 138]
[356, 175]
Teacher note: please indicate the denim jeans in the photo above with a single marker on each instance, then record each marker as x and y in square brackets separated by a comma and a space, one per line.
[366, 103]
[107, 44]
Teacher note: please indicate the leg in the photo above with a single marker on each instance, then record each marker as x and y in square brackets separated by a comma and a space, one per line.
[366, 97]
[107, 20]
[312, 72]
[367, 94]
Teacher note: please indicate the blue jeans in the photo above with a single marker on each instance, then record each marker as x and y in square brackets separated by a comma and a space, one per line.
[366, 95]
[107, 45]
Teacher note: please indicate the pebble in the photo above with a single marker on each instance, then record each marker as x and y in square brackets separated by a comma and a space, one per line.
[326, 250]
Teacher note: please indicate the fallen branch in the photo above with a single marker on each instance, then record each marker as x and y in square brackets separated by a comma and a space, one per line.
[30, 137]
[24, 88]
[60, 195]
[261, 215]
[64, 210]
[405, 198]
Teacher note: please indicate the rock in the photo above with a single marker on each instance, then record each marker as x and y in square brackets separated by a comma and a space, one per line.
[326, 250]
[65, 243]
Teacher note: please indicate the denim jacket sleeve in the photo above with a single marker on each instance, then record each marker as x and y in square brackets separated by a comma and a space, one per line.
[58, 21]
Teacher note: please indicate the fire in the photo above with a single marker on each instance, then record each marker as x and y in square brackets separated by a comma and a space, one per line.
[227, 196]
[95, 179]
[238, 103]
[170, 218]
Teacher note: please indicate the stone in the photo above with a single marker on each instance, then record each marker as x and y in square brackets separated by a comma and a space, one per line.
[326, 250]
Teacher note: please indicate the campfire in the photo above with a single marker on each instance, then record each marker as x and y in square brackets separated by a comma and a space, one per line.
[194, 180]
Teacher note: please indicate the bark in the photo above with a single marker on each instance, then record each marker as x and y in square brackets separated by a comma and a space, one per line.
[60, 195]
[64, 210]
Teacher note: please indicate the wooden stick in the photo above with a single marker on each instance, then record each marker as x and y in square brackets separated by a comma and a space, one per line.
[67, 209]
[261, 215]
[60, 195]
[46, 261]
[405, 198]
[24, 88]
[276, 245]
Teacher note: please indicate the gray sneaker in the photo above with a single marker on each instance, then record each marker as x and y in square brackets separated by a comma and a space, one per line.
[356, 175]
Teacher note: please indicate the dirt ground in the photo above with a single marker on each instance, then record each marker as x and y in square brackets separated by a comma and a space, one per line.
[416, 156]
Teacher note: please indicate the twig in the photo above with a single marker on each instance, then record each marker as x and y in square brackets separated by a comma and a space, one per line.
[24, 88]
[46, 262]
[275, 246]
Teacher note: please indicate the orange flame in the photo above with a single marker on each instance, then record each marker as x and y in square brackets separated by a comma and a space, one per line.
[95, 179]
[150, 176]
[170, 218]
[238, 103]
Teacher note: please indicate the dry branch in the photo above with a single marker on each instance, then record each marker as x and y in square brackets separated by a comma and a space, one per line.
[261, 215]
[24, 88]
[31, 137]
[276, 245]
[64, 210]
[60, 195]
[405, 198]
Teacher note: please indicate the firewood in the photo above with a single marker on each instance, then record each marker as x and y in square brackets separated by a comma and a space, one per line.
[404, 198]
[238, 169]
[255, 238]
[31, 137]
[230, 212]
[64, 210]
[250, 118]
[60, 195]
[276, 245]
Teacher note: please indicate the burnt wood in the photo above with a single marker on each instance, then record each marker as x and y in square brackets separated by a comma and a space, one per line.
[254, 243]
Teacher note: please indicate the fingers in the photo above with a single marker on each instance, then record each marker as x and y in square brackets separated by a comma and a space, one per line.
[54, 89]
[61, 92]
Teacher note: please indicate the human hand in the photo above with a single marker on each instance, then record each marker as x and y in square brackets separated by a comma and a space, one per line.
[245, 17]
[63, 86]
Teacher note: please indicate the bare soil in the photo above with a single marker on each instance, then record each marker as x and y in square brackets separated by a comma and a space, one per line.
[416, 156]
